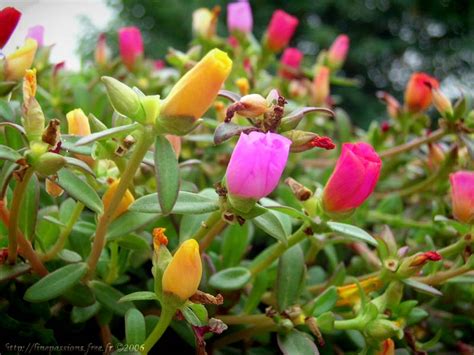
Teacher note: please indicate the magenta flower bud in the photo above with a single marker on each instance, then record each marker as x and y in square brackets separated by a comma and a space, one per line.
[280, 30]
[256, 164]
[462, 195]
[36, 33]
[338, 51]
[131, 46]
[290, 61]
[239, 17]
[353, 179]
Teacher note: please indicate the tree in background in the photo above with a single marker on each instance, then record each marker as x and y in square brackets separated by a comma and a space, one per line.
[389, 39]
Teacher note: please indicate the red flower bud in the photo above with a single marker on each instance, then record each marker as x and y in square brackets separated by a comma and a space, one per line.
[418, 95]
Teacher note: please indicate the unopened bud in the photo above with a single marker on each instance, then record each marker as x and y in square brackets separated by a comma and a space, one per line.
[49, 163]
[301, 192]
[442, 103]
[412, 265]
[393, 106]
[436, 156]
[380, 329]
[321, 85]
[205, 22]
[303, 141]
[33, 119]
[102, 53]
[126, 201]
[252, 106]
[123, 99]
[29, 85]
[243, 85]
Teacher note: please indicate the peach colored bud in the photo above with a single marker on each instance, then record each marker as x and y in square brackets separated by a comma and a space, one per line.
[462, 195]
[17, 62]
[442, 103]
[195, 92]
[436, 156]
[321, 85]
[126, 201]
[101, 53]
[183, 274]
[418, 95]
[78, 123]
[53, 189]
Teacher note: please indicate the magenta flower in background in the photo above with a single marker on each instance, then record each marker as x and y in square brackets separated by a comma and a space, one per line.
[131, 46]
[280, 30]
[291, 58]
[353, 179]
[36, 33]
[9, 17]
[256, 164]
[462, 195]
[338, 51]
[239, 17]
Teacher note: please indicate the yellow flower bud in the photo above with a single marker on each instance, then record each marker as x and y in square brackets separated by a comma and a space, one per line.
[126, 201]
[195, 92]
[183, 274]
[78, 123]
[20, 60]
[243, 85]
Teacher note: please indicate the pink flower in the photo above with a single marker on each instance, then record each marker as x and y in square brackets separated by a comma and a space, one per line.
[256, 164]
[291, 59]
[159, 64]
[36, 33]
[9, 17]
[353, 179]
[131, 46]
[239, 17]
[462, 195]
[280, 30]
[338, 51]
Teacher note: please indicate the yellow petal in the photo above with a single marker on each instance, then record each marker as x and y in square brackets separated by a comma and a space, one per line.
[20, 60]
[78, 123]
[126, 201]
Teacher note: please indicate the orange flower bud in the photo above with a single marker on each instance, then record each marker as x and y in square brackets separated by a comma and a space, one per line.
[126, 201]
[195, 92]
[78, 123]
[436, 156]
[387, 347]
[20, 60]
[321, 85]
[183, 274]
[53, 189]
[29, 85]
[418, 93]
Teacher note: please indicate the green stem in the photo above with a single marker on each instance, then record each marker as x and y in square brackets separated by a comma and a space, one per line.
[269, 255]
[126, 179]
[443, 276]
[112, 273]
[18, 193]
[398, 221]
[207, 226]
[434, 136]
[166, 316]
[213, 232]
[59, 245]
[347, 324]
[455, 248]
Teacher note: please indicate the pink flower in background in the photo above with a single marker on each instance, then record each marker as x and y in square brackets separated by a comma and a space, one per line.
[338, 51]
[36, 33]
[256, 164]
[291, 59]
[131, 46]
[280, 30]
[353, 179]
[462, 195]
[9, 17]
[239, 17]
[159, 64]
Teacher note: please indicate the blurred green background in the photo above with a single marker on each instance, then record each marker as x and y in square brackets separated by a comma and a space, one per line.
[389, 39]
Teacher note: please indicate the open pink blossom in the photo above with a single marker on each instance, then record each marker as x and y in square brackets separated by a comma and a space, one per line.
[239, 17]
[338, 51]
[353, 179]
[462, 195]
[36, 33]
[256, 164]
[291, 61]
[280, 30]
[131, 46]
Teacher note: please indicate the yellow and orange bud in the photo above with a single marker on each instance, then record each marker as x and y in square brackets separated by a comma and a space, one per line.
[321, 85]
[442, 103]
[349, 294]
[183, 274]
[126, 201]
[195, 92]
[387, 347]
[243, 85]
[78, 123]
[53, 189]
[205, 22]
[418, 95]
[29, 85]
[159, 238]
[17, 62]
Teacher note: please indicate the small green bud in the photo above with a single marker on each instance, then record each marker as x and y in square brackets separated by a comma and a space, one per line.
[381, 329]
[49, 163]
[124, 99]
[33, 120]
